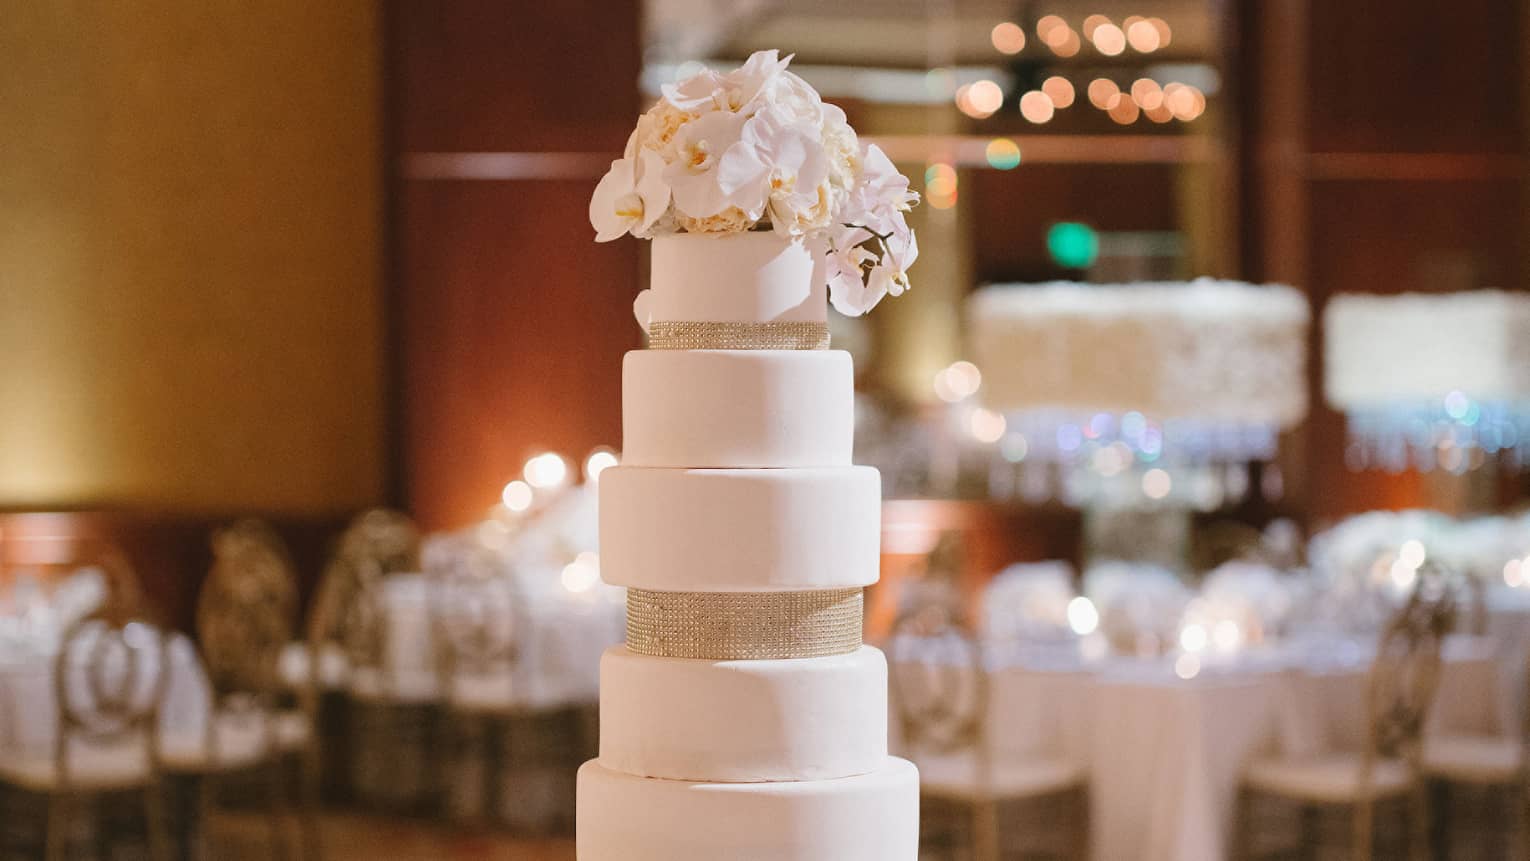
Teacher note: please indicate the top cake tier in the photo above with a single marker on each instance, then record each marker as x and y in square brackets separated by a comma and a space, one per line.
[755, 277]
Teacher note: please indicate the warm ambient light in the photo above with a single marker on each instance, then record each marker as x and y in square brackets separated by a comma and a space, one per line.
[1047, 25]
[986, 426]
[1187, 666]
[582, 574]
[1147, 94]
[1059, 90]
[1109, 40]
[985, 97]
[958, 382]
[547, 469]
[1144, 37]
[940, 185]
[1002, 153]
[600, 460]
[1156, 484]
[1193, 637]
[1092, 23]
[1036, 107]
[1123, 110]
[1101, 91]
[517, 495]
[1083, 618]
[1008, 38]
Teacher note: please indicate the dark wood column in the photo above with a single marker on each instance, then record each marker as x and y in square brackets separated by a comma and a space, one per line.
[509, 320]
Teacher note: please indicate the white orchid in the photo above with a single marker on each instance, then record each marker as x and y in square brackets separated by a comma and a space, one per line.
[757, 148]
[881, 186]
[787, 160]
[735, 92]
[714, 168]
[630, 197]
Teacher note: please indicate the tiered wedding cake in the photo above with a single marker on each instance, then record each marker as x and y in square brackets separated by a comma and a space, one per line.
[744, 720]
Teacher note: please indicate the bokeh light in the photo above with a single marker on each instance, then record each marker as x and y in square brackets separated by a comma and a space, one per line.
[1109, 40]
[986, 426]
[1008, 38]
[516, 496]
[600, 460]
[940, 185]
[1156, 483]
[1185, 101]
[1101, 90]
[1123, 110]
[1147, 94]
[1083, 616]
[1059, 90]
[1073, 245]
[1002, 153]
[1070, 44]
[1046, 26]
[1187, 666]
[984, 98]
[1037, 107]
[958, 381]
[582, 574]
[1165, 35]
[547, 469]
[1143, 36]
[1092, 23]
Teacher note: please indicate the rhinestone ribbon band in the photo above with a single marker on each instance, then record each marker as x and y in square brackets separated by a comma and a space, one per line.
[723, 626]
[681, 335]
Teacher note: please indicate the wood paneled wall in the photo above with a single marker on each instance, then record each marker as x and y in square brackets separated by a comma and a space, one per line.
[1386, 151]
[511, 321]
[190, 210]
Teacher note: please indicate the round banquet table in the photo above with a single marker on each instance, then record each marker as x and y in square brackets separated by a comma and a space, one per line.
[1165, 754]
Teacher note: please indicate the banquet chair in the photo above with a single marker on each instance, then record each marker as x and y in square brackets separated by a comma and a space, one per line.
[1388, 770]
[383, 752]
[944, 726]
[245, 616]
[1492, 774]
[108, 683]
[473, 606]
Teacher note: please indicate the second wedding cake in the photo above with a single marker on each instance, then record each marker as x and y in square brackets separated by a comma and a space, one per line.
[744, 719]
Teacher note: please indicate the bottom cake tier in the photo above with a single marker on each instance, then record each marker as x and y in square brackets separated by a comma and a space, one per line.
[870, 817]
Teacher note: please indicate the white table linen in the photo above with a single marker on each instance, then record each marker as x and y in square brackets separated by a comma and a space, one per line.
[1165, 755]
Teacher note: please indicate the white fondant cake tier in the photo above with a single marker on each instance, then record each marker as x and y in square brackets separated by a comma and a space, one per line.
[737, 408]
[1208, 350]
[870, 817]
[745, 278]
[1414, 348]
[743, 721]
[740, 530]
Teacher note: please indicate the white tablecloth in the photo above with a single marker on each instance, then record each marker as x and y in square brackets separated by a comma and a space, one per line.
[1165, 754]
[29, 707]
[558, 642]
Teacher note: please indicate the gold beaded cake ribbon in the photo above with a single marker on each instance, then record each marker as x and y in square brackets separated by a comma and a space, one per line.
[724, 626]
[683, 335]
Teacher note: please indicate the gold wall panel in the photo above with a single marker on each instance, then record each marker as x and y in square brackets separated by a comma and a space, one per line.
[191, 315]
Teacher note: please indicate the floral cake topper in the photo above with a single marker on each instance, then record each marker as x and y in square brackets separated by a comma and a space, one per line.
[758, 149]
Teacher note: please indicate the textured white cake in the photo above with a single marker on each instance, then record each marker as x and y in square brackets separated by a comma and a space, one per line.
[1209, 350]
[737, 490]
[1414, 348]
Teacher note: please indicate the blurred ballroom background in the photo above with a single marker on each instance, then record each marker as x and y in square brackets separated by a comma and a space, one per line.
[311, 364]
